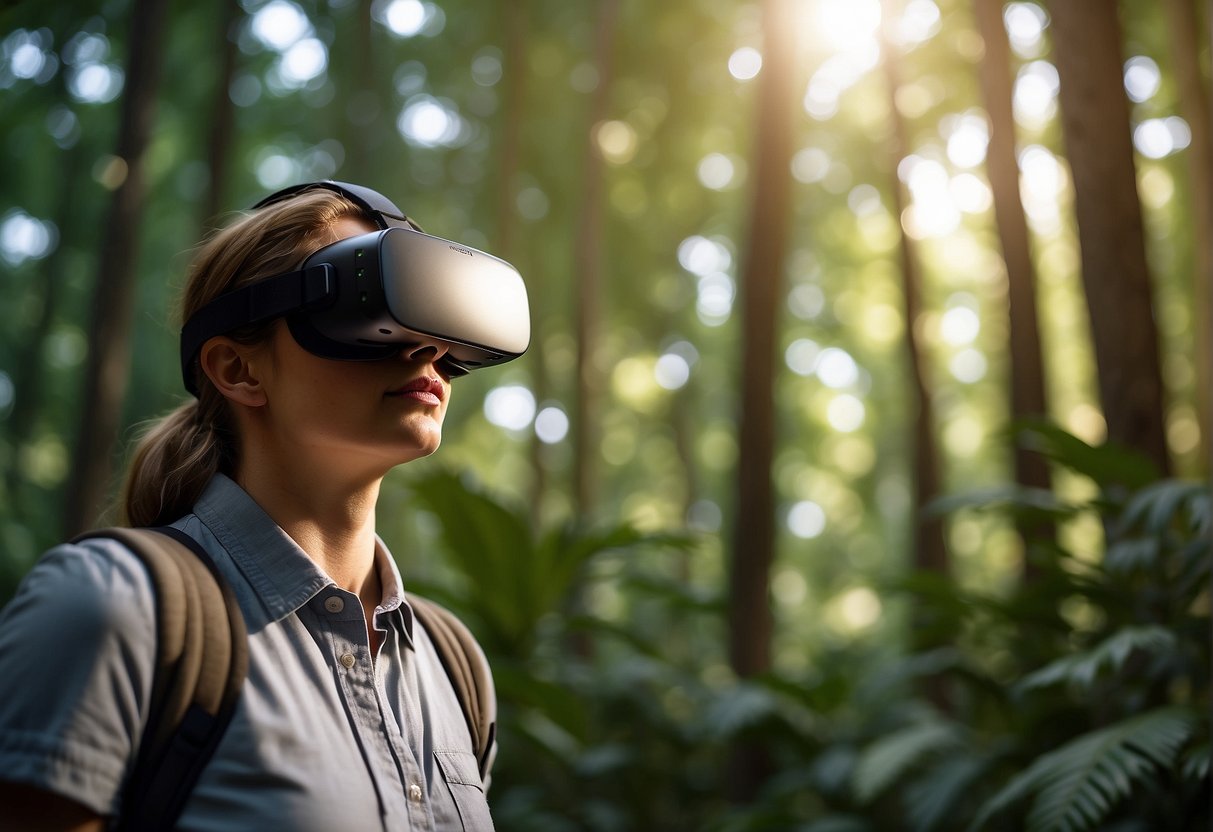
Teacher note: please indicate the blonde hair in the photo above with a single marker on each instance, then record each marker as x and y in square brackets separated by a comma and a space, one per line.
[179, 454]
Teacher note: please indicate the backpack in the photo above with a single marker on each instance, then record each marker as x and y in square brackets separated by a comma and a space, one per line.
[202, 660]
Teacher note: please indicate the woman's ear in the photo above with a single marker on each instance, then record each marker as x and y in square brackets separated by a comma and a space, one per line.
[229, 366]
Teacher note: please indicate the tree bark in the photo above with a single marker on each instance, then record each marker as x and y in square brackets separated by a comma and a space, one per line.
[1027, 366]
[761, 291]
[510, 118]
[929, 552]
[1095, 121]
[108, 366]
[1194, 102]
[587, 263]
[30, 369]
[223, 115]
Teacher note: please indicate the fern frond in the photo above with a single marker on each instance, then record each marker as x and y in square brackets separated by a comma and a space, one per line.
[1196, 764]
[1130, 554]
[1082, 668]
[1077, 785]
[887, 760]
[933, 797]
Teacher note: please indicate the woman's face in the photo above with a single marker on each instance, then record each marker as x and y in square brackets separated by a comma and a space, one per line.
[354, 413]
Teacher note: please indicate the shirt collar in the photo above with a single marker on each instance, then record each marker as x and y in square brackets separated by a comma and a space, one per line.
[281, 574]
[392, 588]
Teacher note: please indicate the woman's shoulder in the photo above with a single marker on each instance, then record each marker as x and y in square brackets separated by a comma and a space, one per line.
[94, 583]
[77, 652]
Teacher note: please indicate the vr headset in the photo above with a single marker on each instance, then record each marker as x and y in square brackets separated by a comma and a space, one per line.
[367, 297]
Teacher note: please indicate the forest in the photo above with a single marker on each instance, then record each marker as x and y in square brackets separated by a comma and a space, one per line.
[857, 476]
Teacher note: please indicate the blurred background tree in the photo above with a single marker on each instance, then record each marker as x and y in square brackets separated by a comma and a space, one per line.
[797, 269]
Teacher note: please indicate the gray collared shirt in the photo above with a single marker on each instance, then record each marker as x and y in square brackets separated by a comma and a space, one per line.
[326, 736]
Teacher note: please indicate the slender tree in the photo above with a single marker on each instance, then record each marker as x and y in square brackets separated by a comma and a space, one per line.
[587, 265]
[929, 552]
[29, 370]
[511, 116]
[362, 105]
[1027, 366]
[761, 290]
[223, 113]
[1095, 121]
[108, 367]
[1194, 101]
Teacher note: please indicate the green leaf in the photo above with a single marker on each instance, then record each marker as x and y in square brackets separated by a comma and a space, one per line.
[934, 796]
[516, 576]
[1196, 764]
[888, 759]
[1014, 498]
[1077, 785]
[1125, 556]
[1081, 669]
[737, 708]
[1159, 505]
[1105, 464]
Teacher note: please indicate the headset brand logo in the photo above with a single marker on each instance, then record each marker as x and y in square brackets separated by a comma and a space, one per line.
[460, 250]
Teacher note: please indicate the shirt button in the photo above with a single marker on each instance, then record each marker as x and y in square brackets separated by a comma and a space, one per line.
[414, 793]
[334, 603]
[347, 659]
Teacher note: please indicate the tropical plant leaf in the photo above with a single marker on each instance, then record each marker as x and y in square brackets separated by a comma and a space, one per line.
[1196, 764]
[678, 594]
[1105, 464]
[1011, 497]
[934, 797]
[837, 823]
[1081, 669]
[737, 708]
[1159, 505]
[1137, 553]
[1077, 785]
[514, 576]
[888, 759]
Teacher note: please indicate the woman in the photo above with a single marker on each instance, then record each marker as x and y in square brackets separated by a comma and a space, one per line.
[347, 718]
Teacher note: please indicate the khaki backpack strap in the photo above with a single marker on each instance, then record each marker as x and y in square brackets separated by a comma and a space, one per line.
[469, 673]
[201, 663]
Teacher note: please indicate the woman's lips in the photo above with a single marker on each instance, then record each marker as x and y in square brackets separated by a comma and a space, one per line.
[427, 389]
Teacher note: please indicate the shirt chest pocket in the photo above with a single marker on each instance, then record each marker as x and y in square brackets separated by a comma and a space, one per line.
[463, 779]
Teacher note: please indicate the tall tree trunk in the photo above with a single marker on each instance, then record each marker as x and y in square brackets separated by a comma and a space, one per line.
[1027, 366]
[761, 293]
[108, 368]
[929, 552]
[1095, 120]
[513, 77]
[30, 368]
[510, 118]
[1194, 101]
[223, 115]
[587, 264]
[364, 104]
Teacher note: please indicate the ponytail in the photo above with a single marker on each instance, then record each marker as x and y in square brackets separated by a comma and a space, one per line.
[181, 453]
[174, 461]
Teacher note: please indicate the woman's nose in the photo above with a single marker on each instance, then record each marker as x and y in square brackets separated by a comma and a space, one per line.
[425, 351]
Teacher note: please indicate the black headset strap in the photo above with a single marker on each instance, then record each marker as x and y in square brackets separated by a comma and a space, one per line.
[381, 209]
[261, 301]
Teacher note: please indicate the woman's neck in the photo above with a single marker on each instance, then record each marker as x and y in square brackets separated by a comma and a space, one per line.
[331, 519]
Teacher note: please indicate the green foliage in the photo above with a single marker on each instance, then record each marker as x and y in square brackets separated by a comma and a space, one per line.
[1080, 669]
[514, 576]
[1078, 785]
[888, 759]
[1071, 704]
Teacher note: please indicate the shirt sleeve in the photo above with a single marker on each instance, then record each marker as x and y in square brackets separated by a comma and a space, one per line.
[77, 651]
